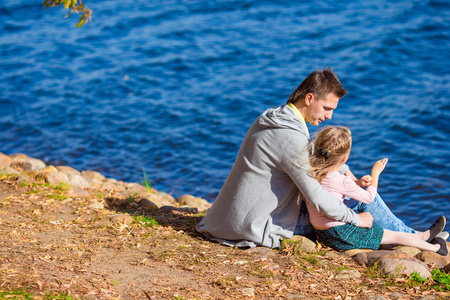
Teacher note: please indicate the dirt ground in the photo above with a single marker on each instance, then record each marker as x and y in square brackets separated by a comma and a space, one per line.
[55, 245]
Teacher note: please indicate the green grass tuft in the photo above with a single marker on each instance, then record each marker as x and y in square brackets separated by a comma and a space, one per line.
[146, 183]
[442, 278]
[145, 221]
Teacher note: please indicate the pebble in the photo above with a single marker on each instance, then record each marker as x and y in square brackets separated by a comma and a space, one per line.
[248, 292]
[96, 205]
[122, 219]
[348, 274]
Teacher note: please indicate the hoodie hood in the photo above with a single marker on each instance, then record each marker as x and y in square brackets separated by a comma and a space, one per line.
[282, 117]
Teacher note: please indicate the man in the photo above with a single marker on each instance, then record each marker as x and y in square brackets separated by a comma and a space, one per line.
[260, 202]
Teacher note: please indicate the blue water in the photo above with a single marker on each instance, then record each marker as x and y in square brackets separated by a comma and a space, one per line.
[173, 86]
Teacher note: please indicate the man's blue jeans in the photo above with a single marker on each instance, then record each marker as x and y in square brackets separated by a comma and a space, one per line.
[382, 216]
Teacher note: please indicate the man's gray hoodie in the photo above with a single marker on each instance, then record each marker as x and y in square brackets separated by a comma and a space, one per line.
[259, 202]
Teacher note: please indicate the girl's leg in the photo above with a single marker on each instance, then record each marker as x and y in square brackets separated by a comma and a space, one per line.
[408, 239]
[382, 215]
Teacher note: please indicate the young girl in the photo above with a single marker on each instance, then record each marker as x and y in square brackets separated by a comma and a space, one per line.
[329, 151]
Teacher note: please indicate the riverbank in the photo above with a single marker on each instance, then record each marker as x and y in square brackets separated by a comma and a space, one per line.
[66, 234]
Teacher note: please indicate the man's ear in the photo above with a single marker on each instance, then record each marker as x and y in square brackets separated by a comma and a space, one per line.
[309, 98]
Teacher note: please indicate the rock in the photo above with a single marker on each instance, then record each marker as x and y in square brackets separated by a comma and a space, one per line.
[122, 219]
[5, 160]
[169, 210]
[95, 176]
[353, 252]
[348, 274]
[372, 257]
[48, 169]
[53, 178]
[190, 200]
[32, 164]
[68, 170]
[78, 181]
[248, 292]
[168, 198]
[302, 242]
[395, 267]
[147, 204]
[411, 251]
[446, 269]
[112, 180]
[19, 157]
[8, 170]
[109, 186]
[94, 183]
[433, 258]
[188, 209]
[135, 188]
[96, 205]
[158, 200]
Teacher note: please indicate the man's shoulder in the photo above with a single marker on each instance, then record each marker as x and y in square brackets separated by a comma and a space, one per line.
[282, 117]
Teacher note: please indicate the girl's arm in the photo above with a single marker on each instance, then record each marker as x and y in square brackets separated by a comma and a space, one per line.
[366, 180]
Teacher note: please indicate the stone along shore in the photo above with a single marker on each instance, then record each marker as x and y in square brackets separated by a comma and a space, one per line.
[85, 182]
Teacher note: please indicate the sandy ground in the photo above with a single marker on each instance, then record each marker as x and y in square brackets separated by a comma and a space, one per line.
[53, 243]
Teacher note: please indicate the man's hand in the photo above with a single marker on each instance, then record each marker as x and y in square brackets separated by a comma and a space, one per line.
[365, 220]
[366, 180]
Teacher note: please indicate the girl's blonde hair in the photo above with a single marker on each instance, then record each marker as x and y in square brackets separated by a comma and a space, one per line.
[327, 150]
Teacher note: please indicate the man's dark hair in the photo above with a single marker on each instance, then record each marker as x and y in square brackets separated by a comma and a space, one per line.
[320, 83]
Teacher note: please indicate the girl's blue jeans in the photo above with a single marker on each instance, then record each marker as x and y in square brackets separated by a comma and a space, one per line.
[382, 216]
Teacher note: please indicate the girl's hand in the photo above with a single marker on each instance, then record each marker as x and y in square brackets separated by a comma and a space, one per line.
[366, 180]
[378, 167]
